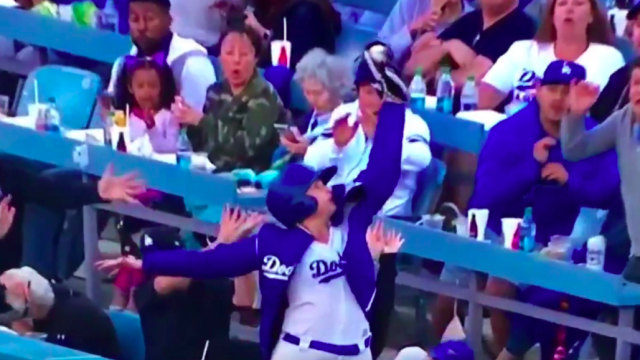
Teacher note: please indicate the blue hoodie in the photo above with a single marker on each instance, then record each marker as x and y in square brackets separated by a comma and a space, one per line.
[276, 251]
[508, 178]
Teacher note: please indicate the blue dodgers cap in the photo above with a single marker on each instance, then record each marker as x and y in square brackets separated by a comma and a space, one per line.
[562, 72]
[452, 350]
[287, 198]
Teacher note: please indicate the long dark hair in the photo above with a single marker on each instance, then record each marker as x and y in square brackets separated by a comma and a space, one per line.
[124, 97]
[597, 32]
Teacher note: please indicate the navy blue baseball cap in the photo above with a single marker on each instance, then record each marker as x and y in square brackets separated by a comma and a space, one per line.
[562, 72]
[287, 198]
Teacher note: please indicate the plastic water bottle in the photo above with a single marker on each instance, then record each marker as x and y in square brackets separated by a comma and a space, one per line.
[469, 95]
[417, 91]
[52, 116]
[445, 91]
[595, 252]
[528, 231]
[109, 17]
[184, 150]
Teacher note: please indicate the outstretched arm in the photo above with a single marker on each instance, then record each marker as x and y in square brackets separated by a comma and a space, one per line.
[379, 181]
[226, 260]
[578, 143]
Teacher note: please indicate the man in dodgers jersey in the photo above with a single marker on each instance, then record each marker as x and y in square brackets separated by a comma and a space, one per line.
[317, 274]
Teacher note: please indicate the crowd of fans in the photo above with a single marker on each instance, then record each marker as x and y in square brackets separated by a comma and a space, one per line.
[546, 74]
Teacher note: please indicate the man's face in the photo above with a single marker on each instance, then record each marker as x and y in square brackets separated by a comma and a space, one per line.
[149, 24]
[634, 91]
[553, 100]
[324, 198]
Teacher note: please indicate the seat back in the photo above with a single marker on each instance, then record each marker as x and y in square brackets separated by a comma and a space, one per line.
[430, 182]
[352, 41]
[130, 336]
[74, 91]
[626, 48]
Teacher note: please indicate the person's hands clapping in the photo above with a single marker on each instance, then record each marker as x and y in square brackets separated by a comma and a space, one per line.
[582, 96]
[426, 22]
[120, 188]
[236, 224]
[343, 132]
[7, 213]
[542, 147]
[555, 172]
[184, 113]
[460, 52]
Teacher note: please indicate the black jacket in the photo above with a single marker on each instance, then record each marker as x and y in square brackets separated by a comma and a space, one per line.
[21, 179]
[78, 323]
[614, 96]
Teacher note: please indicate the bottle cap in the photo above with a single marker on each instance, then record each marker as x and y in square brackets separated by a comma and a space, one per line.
[418, 72]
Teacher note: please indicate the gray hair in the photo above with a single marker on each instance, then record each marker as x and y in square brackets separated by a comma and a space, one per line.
[333, 72]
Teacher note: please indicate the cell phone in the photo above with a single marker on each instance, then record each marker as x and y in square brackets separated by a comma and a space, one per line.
[281, 128]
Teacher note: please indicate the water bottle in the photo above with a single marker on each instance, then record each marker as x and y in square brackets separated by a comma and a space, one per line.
[52, 116]
[528, 231]
[184, 150]
[469, 95]
[417, 91]
[108, 17]
[106, 127]
[445, 91]
[595, 252]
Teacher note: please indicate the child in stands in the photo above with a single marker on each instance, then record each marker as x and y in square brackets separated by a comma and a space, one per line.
[147, 86]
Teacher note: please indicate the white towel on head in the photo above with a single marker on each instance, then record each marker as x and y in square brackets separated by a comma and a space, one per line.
[412, 353]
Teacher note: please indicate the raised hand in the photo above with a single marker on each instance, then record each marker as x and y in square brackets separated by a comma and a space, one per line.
[376, 239]
[120, 188]
[582, 96]
[236, 224]
[343, 132]
[184, 113]
[112, 266]
[7, 213]
[556, 172]
[542, 147]
[392, 242]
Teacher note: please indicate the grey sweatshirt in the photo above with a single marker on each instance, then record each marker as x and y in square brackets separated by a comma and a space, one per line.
[616, 131]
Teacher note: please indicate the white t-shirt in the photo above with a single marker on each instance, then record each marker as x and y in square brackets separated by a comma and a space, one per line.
[321, 304]
[526, 60]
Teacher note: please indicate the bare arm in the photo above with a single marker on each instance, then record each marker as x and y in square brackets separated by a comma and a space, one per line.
[427, 58]
[165, 285]
[489, 97]
[478, 68]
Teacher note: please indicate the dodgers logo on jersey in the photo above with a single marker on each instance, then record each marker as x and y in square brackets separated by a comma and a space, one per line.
[274, 269]
[327, 271]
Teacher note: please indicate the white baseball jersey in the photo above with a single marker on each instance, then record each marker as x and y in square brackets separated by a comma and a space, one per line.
[321, 304]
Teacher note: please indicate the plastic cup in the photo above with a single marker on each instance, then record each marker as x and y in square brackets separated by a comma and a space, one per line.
[482, 217]
[276, 49]
[184, 159]
[509, 228]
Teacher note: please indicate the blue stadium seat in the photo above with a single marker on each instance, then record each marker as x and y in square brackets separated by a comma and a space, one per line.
[217, 68]
[430, 182]
[75, 92]
[129, 331]
[352, 40]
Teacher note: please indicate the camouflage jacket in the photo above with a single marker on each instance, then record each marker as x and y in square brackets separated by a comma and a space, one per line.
[238, 131]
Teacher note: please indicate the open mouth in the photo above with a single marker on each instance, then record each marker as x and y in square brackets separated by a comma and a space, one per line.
[568, 21]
